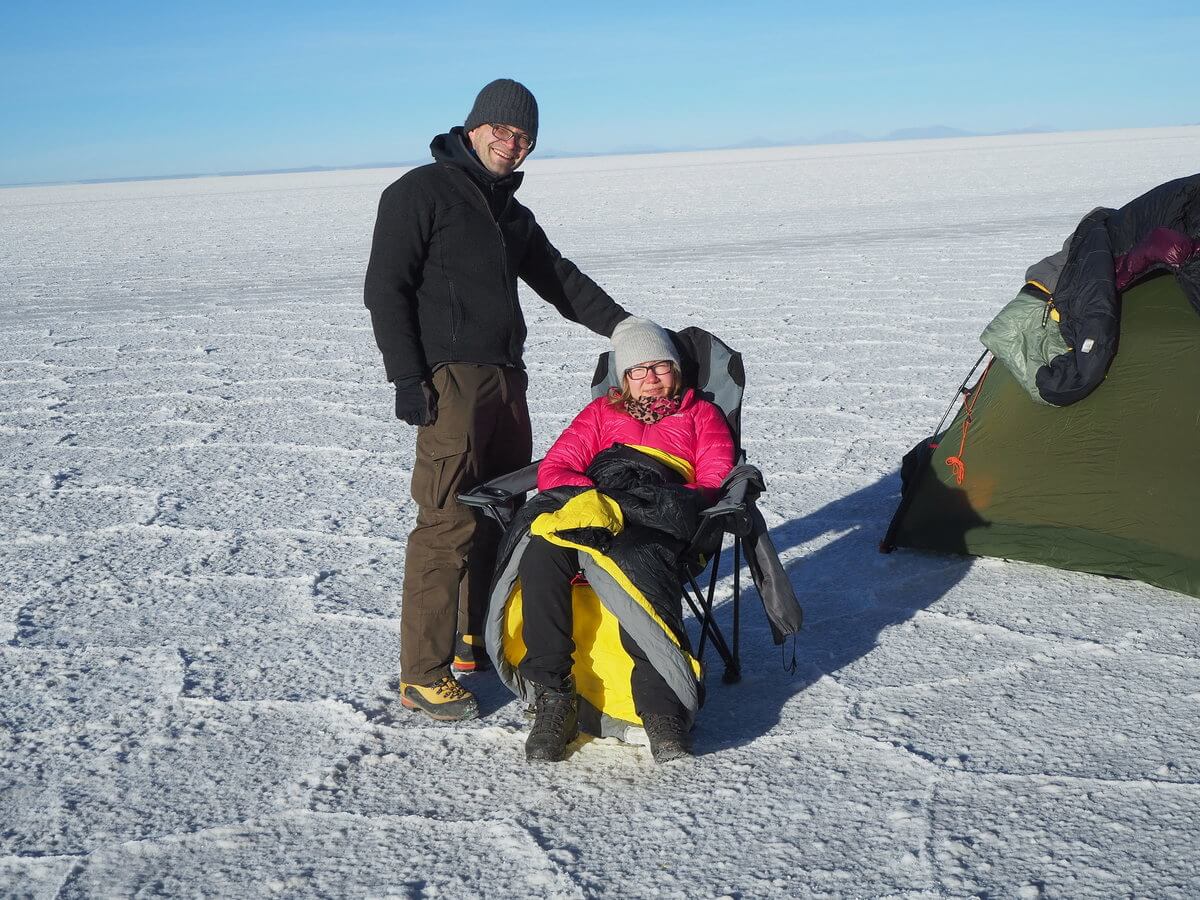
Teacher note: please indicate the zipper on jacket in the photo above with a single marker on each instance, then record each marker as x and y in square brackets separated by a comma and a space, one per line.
[454, 318]
[512, 294]
[516, 305]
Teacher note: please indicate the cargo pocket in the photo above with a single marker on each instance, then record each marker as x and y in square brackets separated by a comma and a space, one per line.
[441, 463]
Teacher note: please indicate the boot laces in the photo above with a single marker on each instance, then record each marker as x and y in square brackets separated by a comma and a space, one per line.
[665, 726]
[450, 689]
[552, 709]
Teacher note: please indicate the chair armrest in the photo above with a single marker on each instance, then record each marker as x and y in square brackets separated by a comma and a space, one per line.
[502, 489]
[738, 492]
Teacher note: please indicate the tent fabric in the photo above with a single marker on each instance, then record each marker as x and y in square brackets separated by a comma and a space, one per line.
[1025, 336]
[1108, 484]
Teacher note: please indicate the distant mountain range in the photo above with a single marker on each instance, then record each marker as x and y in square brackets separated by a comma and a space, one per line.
[927, 132]
[924, 133]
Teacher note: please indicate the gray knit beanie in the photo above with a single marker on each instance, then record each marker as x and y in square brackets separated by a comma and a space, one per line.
[640, 341]
[505, 102]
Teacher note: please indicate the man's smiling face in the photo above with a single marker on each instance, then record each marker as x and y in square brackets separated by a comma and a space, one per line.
[498, 157]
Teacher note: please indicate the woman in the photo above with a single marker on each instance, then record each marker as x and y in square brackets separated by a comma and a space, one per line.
[661, 454]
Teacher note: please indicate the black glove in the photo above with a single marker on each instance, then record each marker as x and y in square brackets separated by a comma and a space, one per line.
[416, 402]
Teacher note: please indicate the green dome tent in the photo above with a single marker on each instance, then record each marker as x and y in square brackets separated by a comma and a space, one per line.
[1109, 483]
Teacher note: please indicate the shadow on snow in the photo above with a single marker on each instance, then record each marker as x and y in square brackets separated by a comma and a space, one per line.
[850, 593]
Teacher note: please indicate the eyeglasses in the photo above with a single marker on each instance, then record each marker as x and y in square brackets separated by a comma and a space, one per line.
[504, 133]
[637, 373]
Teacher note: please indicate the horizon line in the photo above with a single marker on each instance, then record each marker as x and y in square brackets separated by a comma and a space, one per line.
[846, 138]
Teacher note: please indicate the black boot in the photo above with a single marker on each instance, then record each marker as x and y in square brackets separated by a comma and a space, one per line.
[668, 737]
[555, 725]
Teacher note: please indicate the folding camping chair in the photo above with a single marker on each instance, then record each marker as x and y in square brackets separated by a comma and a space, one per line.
[717, 373]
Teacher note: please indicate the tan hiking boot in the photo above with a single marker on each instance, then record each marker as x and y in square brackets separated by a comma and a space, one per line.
[445, 700]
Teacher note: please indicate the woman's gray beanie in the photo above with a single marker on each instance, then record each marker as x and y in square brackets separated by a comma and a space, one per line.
[505, 102]
[640, 341]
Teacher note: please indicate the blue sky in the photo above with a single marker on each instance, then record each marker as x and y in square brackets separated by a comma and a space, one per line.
[110, 89]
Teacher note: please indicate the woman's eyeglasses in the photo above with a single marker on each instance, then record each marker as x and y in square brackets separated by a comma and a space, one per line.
[637, 373]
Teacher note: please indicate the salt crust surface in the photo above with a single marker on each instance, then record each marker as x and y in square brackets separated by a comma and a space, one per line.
[205, 508]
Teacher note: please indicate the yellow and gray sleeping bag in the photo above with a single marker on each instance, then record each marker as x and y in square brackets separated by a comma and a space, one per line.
[630, 531]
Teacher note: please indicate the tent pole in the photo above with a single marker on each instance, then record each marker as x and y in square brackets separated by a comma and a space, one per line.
[962, 389]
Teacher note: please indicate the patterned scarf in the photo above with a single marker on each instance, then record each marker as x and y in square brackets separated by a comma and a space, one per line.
[648, 409]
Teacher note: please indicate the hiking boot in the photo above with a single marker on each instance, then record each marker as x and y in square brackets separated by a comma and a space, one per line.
[469, 654]
[668, 737]
[555, 724]
[445, 700]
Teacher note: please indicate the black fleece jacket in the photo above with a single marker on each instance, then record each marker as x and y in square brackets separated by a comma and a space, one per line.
[450, 241]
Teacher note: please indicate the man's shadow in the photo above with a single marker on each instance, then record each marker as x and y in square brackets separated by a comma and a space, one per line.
[850, 593]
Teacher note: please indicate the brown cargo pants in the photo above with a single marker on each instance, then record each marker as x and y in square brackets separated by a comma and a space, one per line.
[482, 431]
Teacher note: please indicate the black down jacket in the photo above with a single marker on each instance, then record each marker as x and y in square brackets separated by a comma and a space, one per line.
[660, 514]
[1087, 290]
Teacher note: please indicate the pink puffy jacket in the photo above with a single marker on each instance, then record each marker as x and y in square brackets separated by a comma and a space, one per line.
[697, 433]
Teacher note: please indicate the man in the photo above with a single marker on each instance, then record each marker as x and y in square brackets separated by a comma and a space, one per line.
[450, 242]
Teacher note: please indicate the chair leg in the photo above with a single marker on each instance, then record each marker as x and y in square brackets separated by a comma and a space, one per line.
[733, 669]
[733, 665]
[708, 628]
[697, 611]
[737, 600]
[706, 619]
